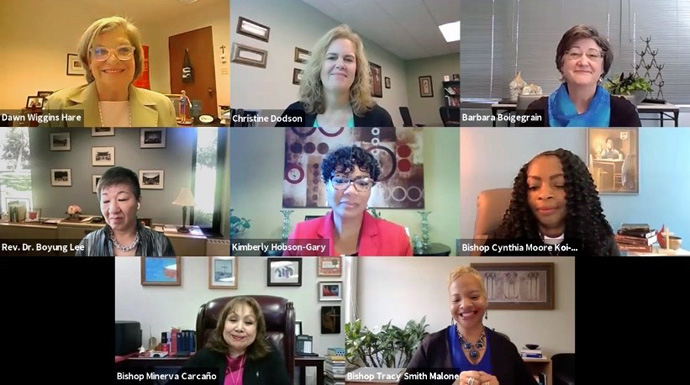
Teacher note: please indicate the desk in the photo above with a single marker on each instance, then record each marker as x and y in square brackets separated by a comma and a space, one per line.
[434, 250]
[135, 361]
[303, 362]
[614, 167]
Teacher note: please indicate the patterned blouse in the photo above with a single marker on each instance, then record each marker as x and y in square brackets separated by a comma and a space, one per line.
[151, 244]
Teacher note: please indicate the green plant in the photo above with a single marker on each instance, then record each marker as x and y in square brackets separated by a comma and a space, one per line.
[390, 347]
[238, 225]
[374, 213]
[625, 85]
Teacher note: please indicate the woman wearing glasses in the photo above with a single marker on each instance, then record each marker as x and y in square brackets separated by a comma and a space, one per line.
[583, 58]
[348, 229]
[111, 54]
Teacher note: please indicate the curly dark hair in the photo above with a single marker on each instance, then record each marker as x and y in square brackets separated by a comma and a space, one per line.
[344, 159]
[584, 221]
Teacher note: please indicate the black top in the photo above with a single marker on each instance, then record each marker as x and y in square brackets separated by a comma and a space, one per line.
[269, 370]
[433, 355]
[376, 117]
[623, 113]
[521, 248]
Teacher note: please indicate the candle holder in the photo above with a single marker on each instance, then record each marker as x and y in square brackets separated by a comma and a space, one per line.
[286, 223]
[425, 228]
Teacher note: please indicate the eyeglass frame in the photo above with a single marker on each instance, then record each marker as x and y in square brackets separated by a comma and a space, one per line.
[110, 52]
[352, 182]
[600, 56]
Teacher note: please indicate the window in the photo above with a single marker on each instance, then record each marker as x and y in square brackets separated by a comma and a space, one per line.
[15, 167]
[208, 176]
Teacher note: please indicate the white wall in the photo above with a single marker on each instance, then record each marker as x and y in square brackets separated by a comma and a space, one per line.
[158, 308]
[296, 24]
[426, 110]
[403, 289]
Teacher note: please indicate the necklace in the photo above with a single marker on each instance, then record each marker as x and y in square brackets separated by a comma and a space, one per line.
[228, 370]
[129, 110]
[473, 348]
[125, 248]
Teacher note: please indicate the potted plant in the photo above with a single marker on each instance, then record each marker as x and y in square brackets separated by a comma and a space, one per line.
[387, 347]
[238, 225]
[629, 85]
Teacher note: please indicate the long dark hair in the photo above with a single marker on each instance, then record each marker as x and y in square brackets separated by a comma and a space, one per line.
[584, 221]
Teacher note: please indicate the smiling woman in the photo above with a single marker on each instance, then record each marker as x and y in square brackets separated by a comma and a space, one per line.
[111, 53]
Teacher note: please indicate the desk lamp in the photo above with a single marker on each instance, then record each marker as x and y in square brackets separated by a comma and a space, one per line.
[184, 199]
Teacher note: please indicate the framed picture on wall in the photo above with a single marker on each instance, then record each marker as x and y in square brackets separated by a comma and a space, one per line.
[330, 319]
[388, 82]
[302, 55]
[518, 286]
[102, 156]
[244, 54]
[161, 271]
[376, 80]
[60, 141]
[222, 272]
[61, 177]
[613, 161]
[253, 29]
[284, 272]
[330, 291]
[152, 138]
[102, 131]
[74, 66]
[330, 266]
[152, 179]
[94, 183]
[426, 88]
[296, 76]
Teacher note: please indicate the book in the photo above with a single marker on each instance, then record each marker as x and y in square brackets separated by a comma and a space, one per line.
[638, 248]
[642, 233]
[532, 355]
[626, 239]
[635, 226]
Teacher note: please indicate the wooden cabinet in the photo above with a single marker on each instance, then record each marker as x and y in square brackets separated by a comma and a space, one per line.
[538, 366]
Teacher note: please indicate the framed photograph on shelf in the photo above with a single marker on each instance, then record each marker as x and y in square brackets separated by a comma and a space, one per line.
[244, 54]
[152, 138]
[222, 272]
[44, 94]
[518, 286]
[330, 266]
[161, 271]
[330, 319]
[302, 55]
[102, 156]
[60, 141]
[103, 131]
[426, 88]
[34, 102]
[152, 179]
[376, 80]
[61, 177]
[94, 183]
[296, 76]
[330, 291]
[613, 159]
[253, 29]
[284, 272]
[298, 328]
[74, 66]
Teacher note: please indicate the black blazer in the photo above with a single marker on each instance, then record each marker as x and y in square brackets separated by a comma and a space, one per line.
[434, 354]
[376, 117]
[269, 370]
[493, 242]
[623, 113]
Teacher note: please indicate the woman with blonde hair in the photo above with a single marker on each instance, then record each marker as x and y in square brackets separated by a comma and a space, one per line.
[476, 354]
[335, 90]
[112, 57]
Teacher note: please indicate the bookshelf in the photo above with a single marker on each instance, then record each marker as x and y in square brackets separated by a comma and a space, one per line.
[451, 93]
[540, 366]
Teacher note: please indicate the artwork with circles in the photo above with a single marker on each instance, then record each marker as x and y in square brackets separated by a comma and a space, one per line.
[399, 152]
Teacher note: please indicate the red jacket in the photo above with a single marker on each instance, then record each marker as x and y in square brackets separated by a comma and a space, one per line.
[377, 237]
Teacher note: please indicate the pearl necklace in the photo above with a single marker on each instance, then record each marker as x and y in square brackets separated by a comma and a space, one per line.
[129, 109]
[472, 348]
[125, 248]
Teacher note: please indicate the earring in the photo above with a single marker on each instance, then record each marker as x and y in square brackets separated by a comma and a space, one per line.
[486, 315]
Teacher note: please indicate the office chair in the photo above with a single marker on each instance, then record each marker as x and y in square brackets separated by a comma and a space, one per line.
[563, 368]
[280, 324]
[491, 206]
[450, 116]
[407, 119]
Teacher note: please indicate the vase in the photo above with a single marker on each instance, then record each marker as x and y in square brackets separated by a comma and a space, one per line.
[286, 223]
[516, 85]
[425, 228]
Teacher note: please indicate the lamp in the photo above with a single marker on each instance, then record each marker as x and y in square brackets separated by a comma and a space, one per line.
[184, 199]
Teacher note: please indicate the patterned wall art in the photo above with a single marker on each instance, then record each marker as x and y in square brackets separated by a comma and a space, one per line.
[398, 150]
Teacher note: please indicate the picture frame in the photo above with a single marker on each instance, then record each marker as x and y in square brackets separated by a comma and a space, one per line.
[60, 141]
[253, 29]
[330, 291]
[330, 266]
[222, 272]
[102, 131]
[388, 82]
[376, 80]
[94, 183]
[102, 156]
[34, 102]
[523, 286]
[74, 65]
[33, 215]
[426, 87]
[456, 76]
[44, 94]
[284, 272]
[244, 54]
[152, 138]
[613, 159]
[298, 328]
[330, 319]
[152, 179]
[296, 76]
[161, 271]
[302, 55]
[61, 177]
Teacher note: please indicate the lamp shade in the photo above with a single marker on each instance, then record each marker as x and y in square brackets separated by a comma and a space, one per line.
[184, 198]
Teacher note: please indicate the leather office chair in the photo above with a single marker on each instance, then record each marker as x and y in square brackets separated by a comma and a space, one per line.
[491, 205]
[523, 101]
[280, 324]
[450, 116]
[563, 368]
[407, 119]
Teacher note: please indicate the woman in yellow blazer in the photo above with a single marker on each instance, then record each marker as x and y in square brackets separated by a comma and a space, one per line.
[111, 53]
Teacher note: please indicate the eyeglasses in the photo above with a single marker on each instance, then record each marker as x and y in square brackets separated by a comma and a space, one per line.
[362, 184]
[123, 52]
[575, 54]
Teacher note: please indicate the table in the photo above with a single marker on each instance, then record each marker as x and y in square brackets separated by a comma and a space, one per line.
[664, 112]
[434, 250]
[615, 166]
[303, 362]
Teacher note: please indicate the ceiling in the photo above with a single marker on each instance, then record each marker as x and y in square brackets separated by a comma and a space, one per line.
[406, 28]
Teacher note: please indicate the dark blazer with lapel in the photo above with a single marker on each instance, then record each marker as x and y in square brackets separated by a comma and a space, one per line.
[269, 370]
[506, 363]
[623, 113]
[376, 117]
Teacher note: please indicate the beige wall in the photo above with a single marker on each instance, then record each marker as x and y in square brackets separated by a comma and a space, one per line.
[425, 110]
